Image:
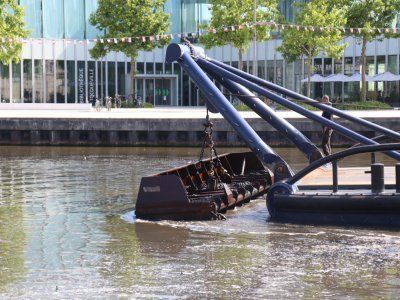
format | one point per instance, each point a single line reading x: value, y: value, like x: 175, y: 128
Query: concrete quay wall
x: 160, y: 127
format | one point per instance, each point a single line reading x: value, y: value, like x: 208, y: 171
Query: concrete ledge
x: 162, y: 126
x: 46, y: 106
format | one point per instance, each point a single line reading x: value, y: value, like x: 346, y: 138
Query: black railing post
x: 377, y: 178
x: 335, y: 176
x: 398, y: 178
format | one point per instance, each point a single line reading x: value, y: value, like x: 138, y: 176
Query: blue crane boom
x: 194, y: 61
x: 182, y: 54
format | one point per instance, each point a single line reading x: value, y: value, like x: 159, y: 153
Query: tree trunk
x: 240, y: 60
x: 363, y: 69
x: 309, y: 70
x: 132, y: 78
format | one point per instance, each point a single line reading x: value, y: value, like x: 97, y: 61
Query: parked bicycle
x: 108, y: 103
x: 136, y: 101
x: 117, y: 101
x: 98, y: 106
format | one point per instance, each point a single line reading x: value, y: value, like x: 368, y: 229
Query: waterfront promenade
x: 87, y: 112
x: 159, y: 126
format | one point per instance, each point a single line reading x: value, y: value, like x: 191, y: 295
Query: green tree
x: 12, y: 29
x: 130, y: 20
x: 317, y: 34
x: 228, y: 13
x: 368, y: 18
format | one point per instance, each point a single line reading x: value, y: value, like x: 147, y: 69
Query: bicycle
x: 117, y: 101
x: 108, y: 103
x: 136, y: 102
x: 98, y: 106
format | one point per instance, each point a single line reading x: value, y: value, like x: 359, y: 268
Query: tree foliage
x: 369, y: 15
x: 316, y: 34
x: 12, y: 28
x: 130, y: 18
x: 228, y: 13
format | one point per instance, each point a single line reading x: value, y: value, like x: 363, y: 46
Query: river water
x: 68, y: 231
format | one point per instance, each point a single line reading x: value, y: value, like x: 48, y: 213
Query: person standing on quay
x: 326, y: 131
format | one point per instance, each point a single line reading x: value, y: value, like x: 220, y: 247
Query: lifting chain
x: 189, y: 44
x: 208, y: 142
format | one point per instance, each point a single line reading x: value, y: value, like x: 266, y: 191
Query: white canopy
x: 357, y: 77
x: 315, y: 78
x: 337, y: 78
x: 386, y: 76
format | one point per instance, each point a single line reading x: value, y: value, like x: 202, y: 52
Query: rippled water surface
x: 68, y: 231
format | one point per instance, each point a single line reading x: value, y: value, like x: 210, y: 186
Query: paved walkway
x: 346, y: 176
x: 161, y: 112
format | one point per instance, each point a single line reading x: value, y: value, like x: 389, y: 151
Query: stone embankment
x: 165, y: 126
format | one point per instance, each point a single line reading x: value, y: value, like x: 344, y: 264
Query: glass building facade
x: 56, y: 66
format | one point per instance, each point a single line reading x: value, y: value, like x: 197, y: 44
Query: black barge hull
x: 204, y: 190
x: 372, y: 210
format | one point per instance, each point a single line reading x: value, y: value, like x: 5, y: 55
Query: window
x: 380, y: 64
x: 348, y: 66
x: 16, y: 82
x: 318, y: 65
x: 101, y: 79
x: 245, y: 66
x: 279, y: 72
x: 70, y: 81
x: 111, y: 79
x: 159, y: 68
x: 338, y: 66
x: 121, y: 79
x: 33, y: 16
x: 139, y: 89
x: 5, y: 82
x: 149, y: 85
x: 298, y: 76
x: 60, y: 81
x: 140, y: 68
x: 289, y: 76
x: 250, y: 66
x: 27, y: 95
x: 370, y: 70
x: 357, y: 65
x: 177, y: 71
x: 168, y: 68
x: 193, y: 13
x: 38, y: 84
x: 74, y: 19
x: 261, y: 69
x: 328, y: 66
x: 52, y: 19
x: 173, y: 8
x: 185, y: 90
x: 270, y: 70
x: 392, y: 62
x: 49, y: 81
x: 90, y: 7
x: 149, y: 68
x: 370, y: 66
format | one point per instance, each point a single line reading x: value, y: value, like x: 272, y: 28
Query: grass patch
x: 356, y: 105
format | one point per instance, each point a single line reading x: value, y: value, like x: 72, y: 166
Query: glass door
x: 149, y: 97
x: 162, y: 91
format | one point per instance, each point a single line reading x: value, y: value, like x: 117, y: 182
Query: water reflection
x: 67, y: 231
